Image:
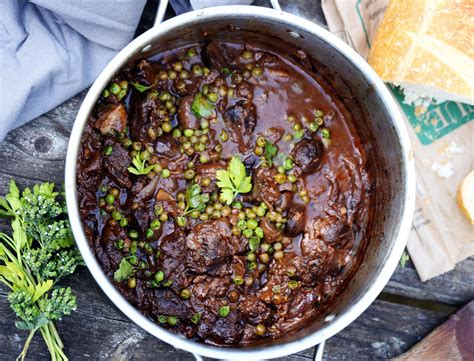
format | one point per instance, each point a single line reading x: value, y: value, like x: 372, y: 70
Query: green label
x: 436, y: 120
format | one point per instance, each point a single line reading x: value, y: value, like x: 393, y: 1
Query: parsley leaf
x: 141, y: 88
x: 195, y: 200
x: 124, y: 271
x: 234, y: 180
x: 139, y: 166
x: 404, y: 259
x: 270, y: 152
x: 202, y: 107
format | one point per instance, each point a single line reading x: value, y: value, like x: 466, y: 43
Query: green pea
x: 183, y: 74
x: 292, y: 178
x: 281, y: 169
x: 149, y: 233
x: 116, y: 215
x: 159, y: 276
x: 258, y: 151
x: 163, y: 217
x: 196, y: 70
x: 325, y: 133
x: 105, y: 93
x: 224, y: 311
x: 188, y: 132
x: 241, y: 224
x: 251, y: 257
x: 167, y: 127
x: 178, y: 66
x: 172, y: 320
x: 204, y: 124
x: 181, y: 221
x: 162, y: 319
x: 288, y: 137
x: 195, y: 214
x: 212, y: 97
x: 319, y: 113
x: 165, y: 173
x: 119, y: 244
x: 114, y: 88
x: 206, y: 181
x: 132, y: 282
x: 189, y: 174
x: 203, y: 158
x: 191, y: 52
x: 200, y: 147
x: 296, y: 127
x: 259, y: 232
x: 238, y: 280
x: 288, y: 165
x: 185, y: 294
x: 247, y: 233
x: 133, y: 234
x: 237, y: 205
x: 293, y: 284
x: 252, y: 224
x: 109, y: 199
x: 172, y: 74
x: 280, y: 178
x: 122, y: 93
x: 148, y: 248
x: 108, y: 150
x: 176, y: 133
x: 257, y: 71
x: 247, y: 55
x: 261, y: 211
x: 313, y: 126
x: 196, y: 318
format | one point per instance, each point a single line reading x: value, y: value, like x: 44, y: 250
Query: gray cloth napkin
x: 52, y: 49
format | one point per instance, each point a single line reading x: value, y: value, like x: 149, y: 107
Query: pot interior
x: 372, y: 120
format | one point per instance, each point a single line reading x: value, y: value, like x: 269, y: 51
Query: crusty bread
x: 466, y: 196
x: 427, y: 48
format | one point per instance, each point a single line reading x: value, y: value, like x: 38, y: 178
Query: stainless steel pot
x: 378, y: 121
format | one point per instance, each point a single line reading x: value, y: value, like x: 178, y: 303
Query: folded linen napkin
x: 52, y: 49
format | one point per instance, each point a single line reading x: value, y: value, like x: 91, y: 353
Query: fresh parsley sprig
x: 233, y: 181
x: 139, y: 167
x: 37, y: 254
x: 195, y: 199
x: 270, y: 152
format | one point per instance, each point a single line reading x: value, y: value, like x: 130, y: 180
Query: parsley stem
x: 27, y: 344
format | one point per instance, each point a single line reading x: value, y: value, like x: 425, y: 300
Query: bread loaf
x: 427, y: 48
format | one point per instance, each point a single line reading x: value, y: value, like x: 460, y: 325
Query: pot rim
x: 256, y: 352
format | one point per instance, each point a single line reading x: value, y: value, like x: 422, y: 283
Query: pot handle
x: 160, y: 15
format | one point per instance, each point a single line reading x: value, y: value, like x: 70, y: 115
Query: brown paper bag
x: 442, y: 137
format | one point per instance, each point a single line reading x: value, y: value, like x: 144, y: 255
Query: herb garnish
x: 202, y: 107
x: 139, y: 164
x: 270, y: 152
x: 124, y: 271
x: 39, y: 252
x: 195, y: 200
x: 142, y: 88
x: 233, y: 181
x: 404, y: 259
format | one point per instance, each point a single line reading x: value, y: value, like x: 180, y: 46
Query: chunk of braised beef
x: 205, y: 287
x: 253, y: 310
x: 143, y: 73
x: 90, y: 161
x: 173, y: 259
x: 186, y: 117
x: 209, y: 170
x: 167, y: 149
x: 209, y: 245
x: 307, y: 153
x: 303, y: 302
x: 164, y: 302
x: 270, y: 233
x: 144, y: 113
x: 116, y: 164
x: 223, y: 330
x: 284, y: 201
x: 295, y: 221
x: 264, y: 187
x: 111, y: 118
x: 109, y: 256
x: 216, y: 55
x: 241, y: 119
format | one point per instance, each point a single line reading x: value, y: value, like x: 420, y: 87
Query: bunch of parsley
x: 37, y: 254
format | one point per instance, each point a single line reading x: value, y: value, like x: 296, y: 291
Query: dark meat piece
x: 209, y: 245
x: 265, y: 188
x: 245, y: 90
x: 116, y: 164
x: 254, y: 310
x: 185, y: 116
x: 296, y: 221
x: 331, y: 230
x: 209, y: 170
x: 109, y: 257
x: 167, y: 149
x: 270, y: 232
x: 303, y: 302
x: 284, y: 201
x: 216, y: 55
x: 111, y: 118
x: 224, y: 330
x: 306, y: 154
x: 173, y: 259
x: 274, y: 134
x: 144, y: 114
x: 143, y: 73
x: 241, y: 120
x: 205, y: 287
x: 165, y: 302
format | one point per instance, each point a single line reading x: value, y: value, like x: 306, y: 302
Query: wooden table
x: 405, y: 312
